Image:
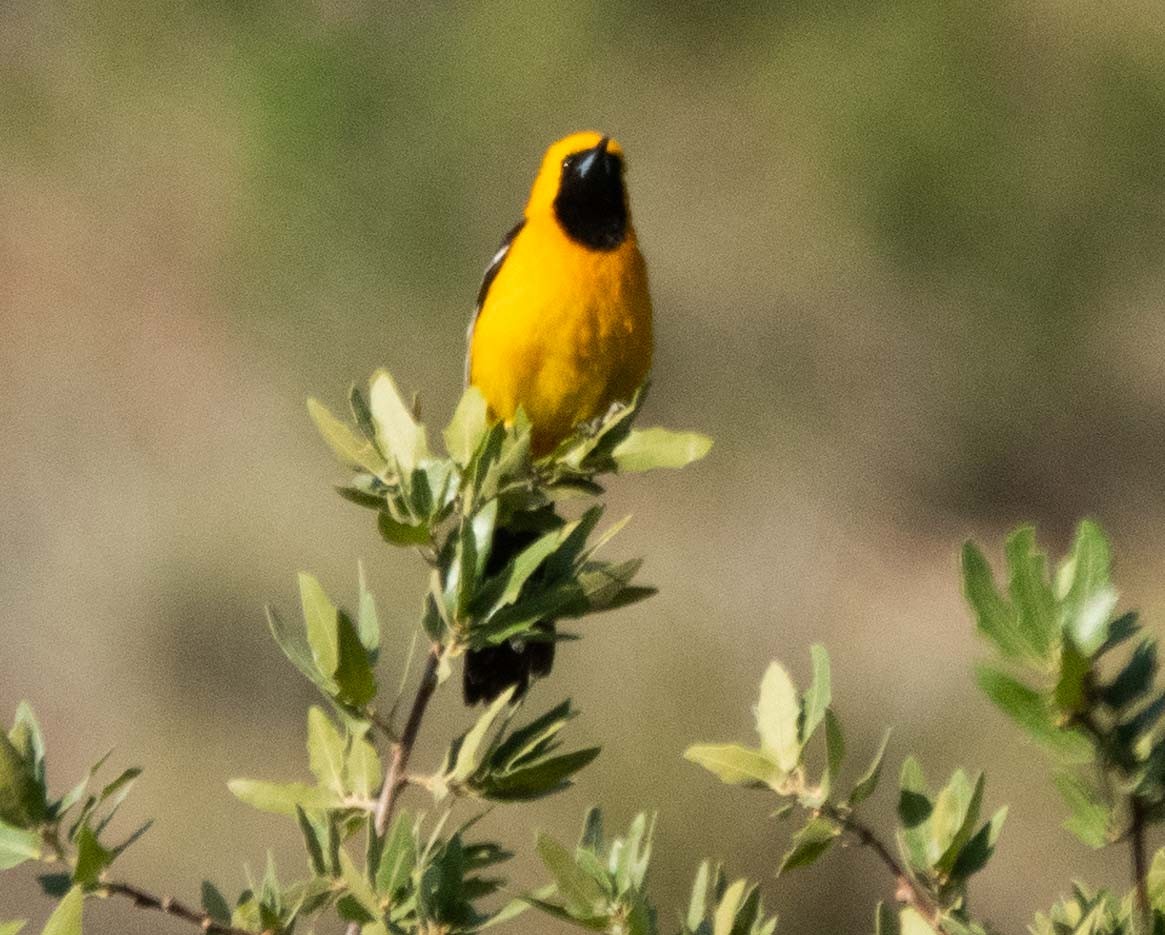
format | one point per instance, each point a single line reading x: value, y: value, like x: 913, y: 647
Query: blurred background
x: 906, y: 261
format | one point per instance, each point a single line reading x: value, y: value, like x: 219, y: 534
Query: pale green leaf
x: 17, y: 845
x: 819, y: 695
x: 777, y: 714
x: 322, y: 621
x: 736, y: 765
x: 725, y: 917
x: 809, y: 844
x: 398, y: 433
x: 468, y: 425
x: 282, y: 798
x: 868, y: 784
x: 325, y: 750
x: 346, y: 444
x: 66, y: 918
x: 648, y: 449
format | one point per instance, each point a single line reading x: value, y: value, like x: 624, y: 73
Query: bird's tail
x: 493, y: 669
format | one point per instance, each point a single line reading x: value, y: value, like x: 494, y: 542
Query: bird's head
x: 580, y: 184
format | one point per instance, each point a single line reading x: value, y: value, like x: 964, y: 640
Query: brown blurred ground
x: 906, y: 260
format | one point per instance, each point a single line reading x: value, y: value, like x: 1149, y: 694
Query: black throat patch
x: 590, y: 204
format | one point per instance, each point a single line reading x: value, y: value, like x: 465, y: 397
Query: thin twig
x: 403, y: 748
x: 908, y: 891
x: 172, y: 907
x: 396, y: 779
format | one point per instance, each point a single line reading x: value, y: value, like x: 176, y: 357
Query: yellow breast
x: 564, y: 331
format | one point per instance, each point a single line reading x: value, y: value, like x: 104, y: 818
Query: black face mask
x: 590, y: 204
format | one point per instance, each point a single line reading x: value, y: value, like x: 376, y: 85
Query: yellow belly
x: 565, y: 331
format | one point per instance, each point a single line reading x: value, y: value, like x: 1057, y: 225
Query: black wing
x: 491, y: 273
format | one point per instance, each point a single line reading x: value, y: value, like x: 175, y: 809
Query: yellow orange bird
x: 563, y: 320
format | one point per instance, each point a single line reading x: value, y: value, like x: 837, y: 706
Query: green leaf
x: 396, y: 533
x: 358, y: 887
x: 697, y: 904
x: 956, y: 814
x: 581, y: 892
x: 777, y: 714
x: 468, y: 425
x: 736, y: 765
x: 296, y: 649
x: 809, y: 844
x: 1029, y: 709
x: 73, y: 796
x: 531, y: 740
x: 834, y: 749
x: 1089, y: 813
x: 1031, y: 595
x: 914, y: 812
x: 886, y: 920
x: 282, y: 798
x: 1088, y: 597
x: 345, y: 444
x: 353, y: 673
x: 648, y: 449
x: 311, y: 840
x: 470, y: 752
x: 398, y: 856
x: 92, y: 858
x: 325, y: 750
x: 27, y: 738
x: 362, y: 769
x: 979, y: 849
x: 12, y: 928
x: 868, y: 784
x: 398, y: 433
x: 214, y: 904
x: 994, y: 616
x: 538, y: 779
x: 17, y: 846
x: 368, y: 623
x: 66, y: 918
x: 1074, y: 669
x: 21, y: 798
x: 322, y: 621
x: 819, y: 695
x: 724, y: 919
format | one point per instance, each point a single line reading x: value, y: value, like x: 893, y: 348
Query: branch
x: 396, y: 780
x: 172, y: 907
x: 403, y: 748
x: 908, y: 892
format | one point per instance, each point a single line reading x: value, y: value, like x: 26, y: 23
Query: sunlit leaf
x: 66, y: 918
x: 649, y: 449
x: 777, y: 715
x: 736, y: 765
x: 809, y: 844
x: 17, y: 845
x: 282, y: 798
x: 399, y: 434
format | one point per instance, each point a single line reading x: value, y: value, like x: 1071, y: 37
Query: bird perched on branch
x: 562, y: 328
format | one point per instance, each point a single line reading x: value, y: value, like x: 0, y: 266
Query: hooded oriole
x: 562, y: 328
